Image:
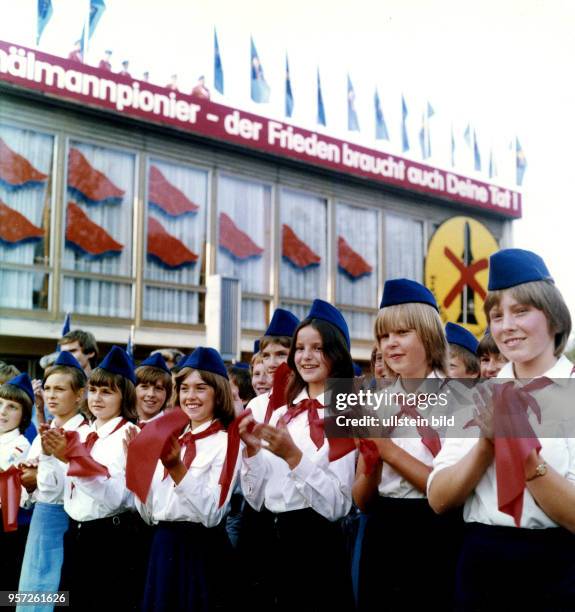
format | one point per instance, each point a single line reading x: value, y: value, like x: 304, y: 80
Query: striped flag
x: 352, y: 121
x: 404, y: 136
x: 260, y: 90
x: 520, y: 162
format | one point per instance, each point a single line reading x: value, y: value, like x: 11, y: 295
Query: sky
x: 505, y: 66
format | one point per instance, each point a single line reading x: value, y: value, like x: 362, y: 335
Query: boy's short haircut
x: 7, y: 372
x: 85, y: 339
x: 487, y: 345
x: 15, y: 394
x: 284, y: 341
x: 470, y: 361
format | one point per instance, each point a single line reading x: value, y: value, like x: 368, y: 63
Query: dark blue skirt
x: 310, y: 563
x: 516, y: 569
x: 406, y: 556
x: 189, y: 569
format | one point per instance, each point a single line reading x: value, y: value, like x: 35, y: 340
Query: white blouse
x: 314, y: 483
x: 196, y: 498
x: 559, y: 453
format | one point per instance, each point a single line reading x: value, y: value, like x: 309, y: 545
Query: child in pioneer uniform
x: 286, y: 469
x: 519, y: 547
x: 397, y: 517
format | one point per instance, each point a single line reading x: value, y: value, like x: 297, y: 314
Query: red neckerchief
x: 278, y: 395
x: 10, y: 493
x: 188, y: 441
x: 429, y: 437
x: 145, y: 451
x: 514, y: 440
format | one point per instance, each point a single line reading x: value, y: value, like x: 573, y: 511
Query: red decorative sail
x: 88, y: 184
x: 15, y: 228
x: 168, y: 198
x: 350, y: 262
x: 237, y: 243
x: 86, y: 237
x: 166, y: 249
x: 295, y: 251
x: 16, y: 171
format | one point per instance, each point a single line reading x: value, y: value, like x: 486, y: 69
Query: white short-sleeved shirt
x: 314, y: 483
x: 196, y: 498
x: 559, y: 453
x: 407, y: 437
x: 14, y: 448
x: 87, y: 499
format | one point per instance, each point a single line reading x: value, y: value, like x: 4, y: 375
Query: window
x: 244, y: 243
x: 175, y: 237
x: 357, y: 266
x: 303, y: 267
x: 26, y: 159
x: 98, y: 231
x: 403, y: 248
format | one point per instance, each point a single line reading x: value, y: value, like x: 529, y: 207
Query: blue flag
x: 352, y: 121
x: 260, y: 90
x: 66, y: 325
x: 430, y: 113
x: 289, y: 95
x: 423, y: 138
x: 65, y: 328
x: 320, y: 107
x: 380, y: 126
x: 520, y: 162
x: 492, y: 171
x: 476, y: 153
x: 44, y: 14
x: 130, y: 345
x: 218, y: 70
x: 467, y: 135
x: 452, y: 147
x: 97, y: 7
x: 404, y: 137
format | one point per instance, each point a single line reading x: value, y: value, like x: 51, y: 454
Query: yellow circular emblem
x: 457, y: 270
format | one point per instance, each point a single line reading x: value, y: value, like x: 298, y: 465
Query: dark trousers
x: 506, y: 568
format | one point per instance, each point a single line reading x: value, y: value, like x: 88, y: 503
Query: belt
x: 123, y: 519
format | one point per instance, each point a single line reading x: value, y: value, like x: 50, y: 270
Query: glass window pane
x: 403, y: 248
x: 171, y: 305
x: 23, y: 289
x: 299, y: 310
x: 357, y: 256
x: 98, y: 298
x: 244, y: 213
x: 26, y: 160
x: 360, y: 324
x: 253, y: 314
x: 303, y: 268
x: 99, y: 210
x: 176, y: 223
